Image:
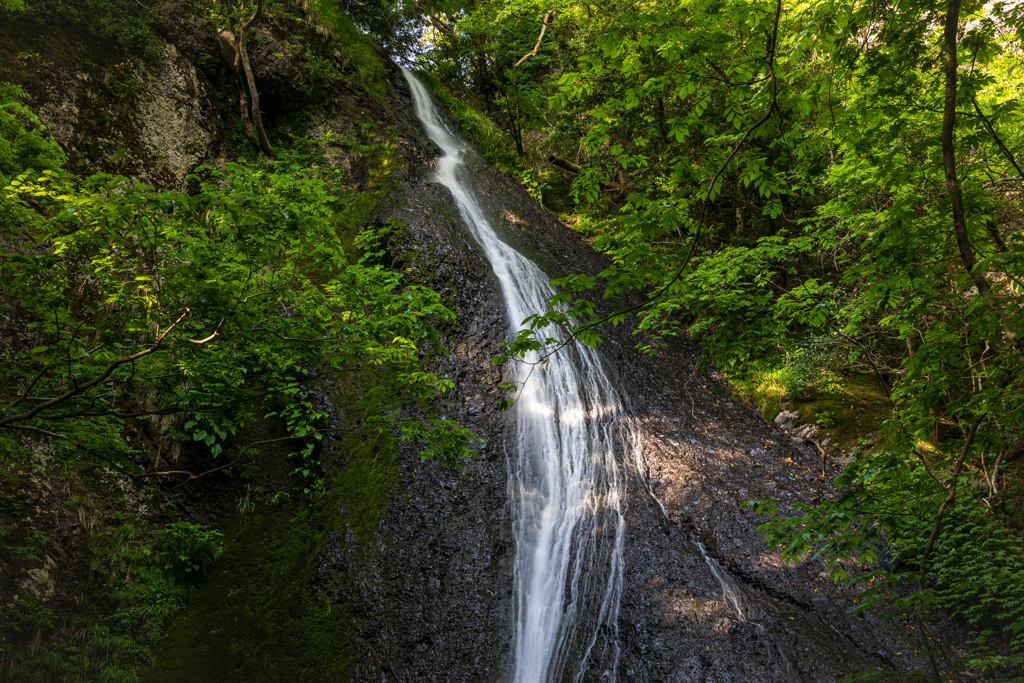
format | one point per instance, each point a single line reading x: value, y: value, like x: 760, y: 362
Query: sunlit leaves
x: 239, y: 297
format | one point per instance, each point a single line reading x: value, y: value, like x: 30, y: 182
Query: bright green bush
x: 216, y: 305
x: 24, y: 145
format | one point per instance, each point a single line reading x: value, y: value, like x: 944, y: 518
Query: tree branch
x: 920, y: 456
x: 441, y: 26
x: 28, y: 389
x: 533, y: 53
x: 81, y: 389
x: 37, y: 430
x: 517, y: 125
x: 211, y: 337
x: 999, y: 141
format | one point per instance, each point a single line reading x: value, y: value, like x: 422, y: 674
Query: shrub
x: 188, y: 550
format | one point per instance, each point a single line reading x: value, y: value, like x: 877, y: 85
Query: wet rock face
x: 435, y: 591
x: 433, y: 594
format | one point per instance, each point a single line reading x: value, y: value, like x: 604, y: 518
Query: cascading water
x: 565, y: 483
x: 735, y: 596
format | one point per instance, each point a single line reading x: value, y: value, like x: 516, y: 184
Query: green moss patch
x: 258, y: 616
x: 849, y: 408
x: 254, y: 619
x: 853, y: 410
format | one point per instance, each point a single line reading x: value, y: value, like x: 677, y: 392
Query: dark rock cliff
x: 434, y: 592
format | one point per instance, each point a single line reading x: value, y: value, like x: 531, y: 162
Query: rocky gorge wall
x: 425, y: 592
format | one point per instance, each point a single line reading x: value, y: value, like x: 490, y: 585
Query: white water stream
x: 566, y: 487
x: 735, y: 595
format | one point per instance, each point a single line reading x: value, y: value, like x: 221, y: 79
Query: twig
x: 1006, y: 152
x: 38, y: 430
x: 79, y: 389
x: 949, y: 497
x: 211, y: 337
x: 28, y: 389
x: 929, y: 469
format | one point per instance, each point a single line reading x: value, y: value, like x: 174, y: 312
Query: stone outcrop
x: 789, y: 423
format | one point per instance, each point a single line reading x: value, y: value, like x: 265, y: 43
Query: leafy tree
x: 223, y: 306
x: 22, y: 141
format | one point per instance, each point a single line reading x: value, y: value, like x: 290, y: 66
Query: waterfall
x: 565, y: 484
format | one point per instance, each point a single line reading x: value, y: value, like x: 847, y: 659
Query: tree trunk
x: 956, y: 200
x: 243, y: 101
x: 515, y: 80
x: 257, y: 119
x: 252, y: 122
x: 564, y: 164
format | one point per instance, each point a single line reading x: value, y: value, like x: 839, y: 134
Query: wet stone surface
x: 435, y: 591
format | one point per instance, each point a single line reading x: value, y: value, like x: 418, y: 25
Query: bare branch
x: 37, y: 430
x: 999, y: 141
x: 28, y: 389
x: 543, y: 27
x: 211, y: 337
x: 928, y: 469
x: 950, y: 497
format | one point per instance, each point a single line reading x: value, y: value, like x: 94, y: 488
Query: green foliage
x: 137, y: 589
x: 218, y: 305
x: 188, y: 550
x: 321, y: 70
x: 123, y: 25
x: 28, y: 616
x: 533, y: 183
x: 23, y: 144
x: 195, y: 315
x: 356, y: 47
x: 31, y: 552
x: 440, y: 439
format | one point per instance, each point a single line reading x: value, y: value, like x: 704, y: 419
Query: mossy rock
x: 847, y: 415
